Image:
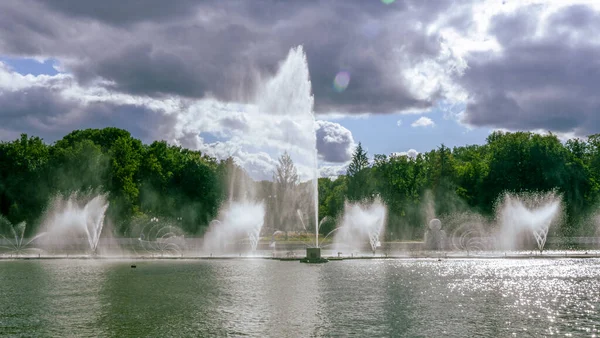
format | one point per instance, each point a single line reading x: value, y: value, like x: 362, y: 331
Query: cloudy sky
x: 210, y: 75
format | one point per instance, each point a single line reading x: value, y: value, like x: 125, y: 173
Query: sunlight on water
x: 260, y: 298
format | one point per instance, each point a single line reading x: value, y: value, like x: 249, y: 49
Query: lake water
x: 264, y: 298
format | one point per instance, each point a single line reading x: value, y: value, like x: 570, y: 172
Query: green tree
x: 23, y: 178
x: 286, y: 183
x: 78, y: 166
x: 359, y: 186
x: 331, y: 202
x: 125, y: 154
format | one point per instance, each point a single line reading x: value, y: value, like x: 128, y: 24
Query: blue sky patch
x: 381, y: 134
x: 26, y: 66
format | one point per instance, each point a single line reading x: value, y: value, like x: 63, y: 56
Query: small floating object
x: 133, y: 266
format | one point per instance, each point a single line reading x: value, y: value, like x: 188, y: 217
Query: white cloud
x: 432, y: 68
x: 334, y: 142
x: 254, y: 134
x: 423, y: 122
x: 332, y: 116
x: 332, y: 171
x: 411, y: 153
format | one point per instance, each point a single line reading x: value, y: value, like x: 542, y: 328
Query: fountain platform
x: 313, y: 255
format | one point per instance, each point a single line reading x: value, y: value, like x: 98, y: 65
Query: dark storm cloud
x: 214, y: 48
x: 545, y: 83
x: 127, y: 12
x: 143, y: 70
x: 20, y: 31
x: 33, y: 111
x: 143, y: 123
x: 578, y: 17
x: 43, y: 112
x: 222, y: 49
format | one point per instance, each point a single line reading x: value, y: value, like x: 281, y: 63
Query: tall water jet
x: 240, y: 221
x: 283, y: 113
x: 428, y: 205
x: 527, y: 215
x: 288, y: 102
x: 362, y: 223
x: 69, y: 219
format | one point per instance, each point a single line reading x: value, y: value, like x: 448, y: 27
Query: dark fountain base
x: 313, y: 255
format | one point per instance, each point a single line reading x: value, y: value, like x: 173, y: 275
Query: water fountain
x: 287, y: 99
x: 362, y: 223
x: 313, y: 250
x: 15, y: 242
x: 240, y: 221
x: 468, y: 232
x: 435, y: 237
x: 283, y: 111
x: 77, y: 217
x: 314, y: 242
x: 528, y: 213
x: 162, y: 238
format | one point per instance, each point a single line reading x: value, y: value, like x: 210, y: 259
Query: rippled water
x: 263, y: 298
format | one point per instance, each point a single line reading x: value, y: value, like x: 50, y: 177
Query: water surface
x: 263, y: 298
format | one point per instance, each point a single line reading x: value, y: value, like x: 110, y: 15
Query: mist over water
x: 526, y: 218
x: 288, y: 101
x: 240, y: 223
x: 469, y: 232
x: 14, y: 240
x: 284, y: 111
x: 284, y: 108
x: 363, y: 224
x: 435, y: 236
x: 76, y: 220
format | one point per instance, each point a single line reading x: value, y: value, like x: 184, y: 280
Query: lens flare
x: 341, y: 81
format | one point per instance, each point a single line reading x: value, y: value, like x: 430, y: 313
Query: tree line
x: 168, y: 181
x: 471, y: 179
x: 141, y: 180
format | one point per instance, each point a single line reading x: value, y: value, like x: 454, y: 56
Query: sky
x: 213, y: 75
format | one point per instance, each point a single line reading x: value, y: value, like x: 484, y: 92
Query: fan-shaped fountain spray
x: 162, y: 238
x: 240, y: 220
x: 532, y: 213
x: 361, y: 222
x: 74, y: 217
x: 15, y: 242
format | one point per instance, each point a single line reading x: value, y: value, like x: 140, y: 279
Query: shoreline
x: 330, y: 258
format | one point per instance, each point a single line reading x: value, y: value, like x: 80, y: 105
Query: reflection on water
x: 263, y: 298
x: 72, y: 295
x: 23, y: 299
x: 160, y: 298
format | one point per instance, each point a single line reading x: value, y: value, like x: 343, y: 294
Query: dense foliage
x: 155, y: 179
x: 168, y: 181
x: 471, y: 178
